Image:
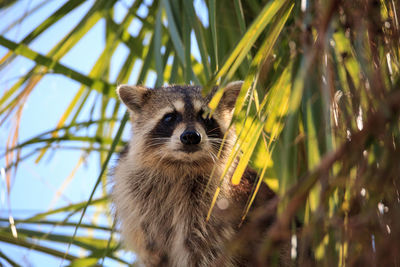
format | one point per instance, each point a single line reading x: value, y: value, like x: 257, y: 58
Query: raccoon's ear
x: 132, y: 96
x: 231, y: 93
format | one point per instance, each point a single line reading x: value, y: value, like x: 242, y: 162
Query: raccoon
x: 165, y: 182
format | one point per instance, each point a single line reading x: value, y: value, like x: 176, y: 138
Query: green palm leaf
x: 317, y: 117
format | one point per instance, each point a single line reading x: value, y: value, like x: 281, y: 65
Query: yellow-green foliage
x: 317, y: 116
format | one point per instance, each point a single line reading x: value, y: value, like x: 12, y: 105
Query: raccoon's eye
x: 205, y: 117
x: 169, y: 118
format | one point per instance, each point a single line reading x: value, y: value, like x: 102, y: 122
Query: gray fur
x: 161, y: 196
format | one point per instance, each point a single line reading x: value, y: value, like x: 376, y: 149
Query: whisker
x: 214, y: 129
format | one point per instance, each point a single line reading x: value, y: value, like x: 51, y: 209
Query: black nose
x: 190, y: 138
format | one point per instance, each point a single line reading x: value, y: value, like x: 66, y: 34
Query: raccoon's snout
x: 190, y: 137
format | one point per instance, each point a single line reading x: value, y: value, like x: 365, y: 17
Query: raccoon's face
x: 170, y: 123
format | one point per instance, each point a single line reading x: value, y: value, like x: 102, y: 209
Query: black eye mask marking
x: 164, y: 129
x: 169, y: 118
x: 210, y: 125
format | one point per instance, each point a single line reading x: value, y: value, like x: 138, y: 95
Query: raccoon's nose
x: 190, y: 138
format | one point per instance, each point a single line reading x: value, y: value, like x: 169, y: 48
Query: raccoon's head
x: 169, y: 123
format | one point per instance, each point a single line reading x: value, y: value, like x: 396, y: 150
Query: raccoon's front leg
x: 145, y: 247
x: 152, y: 256
x: 155, y: 258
